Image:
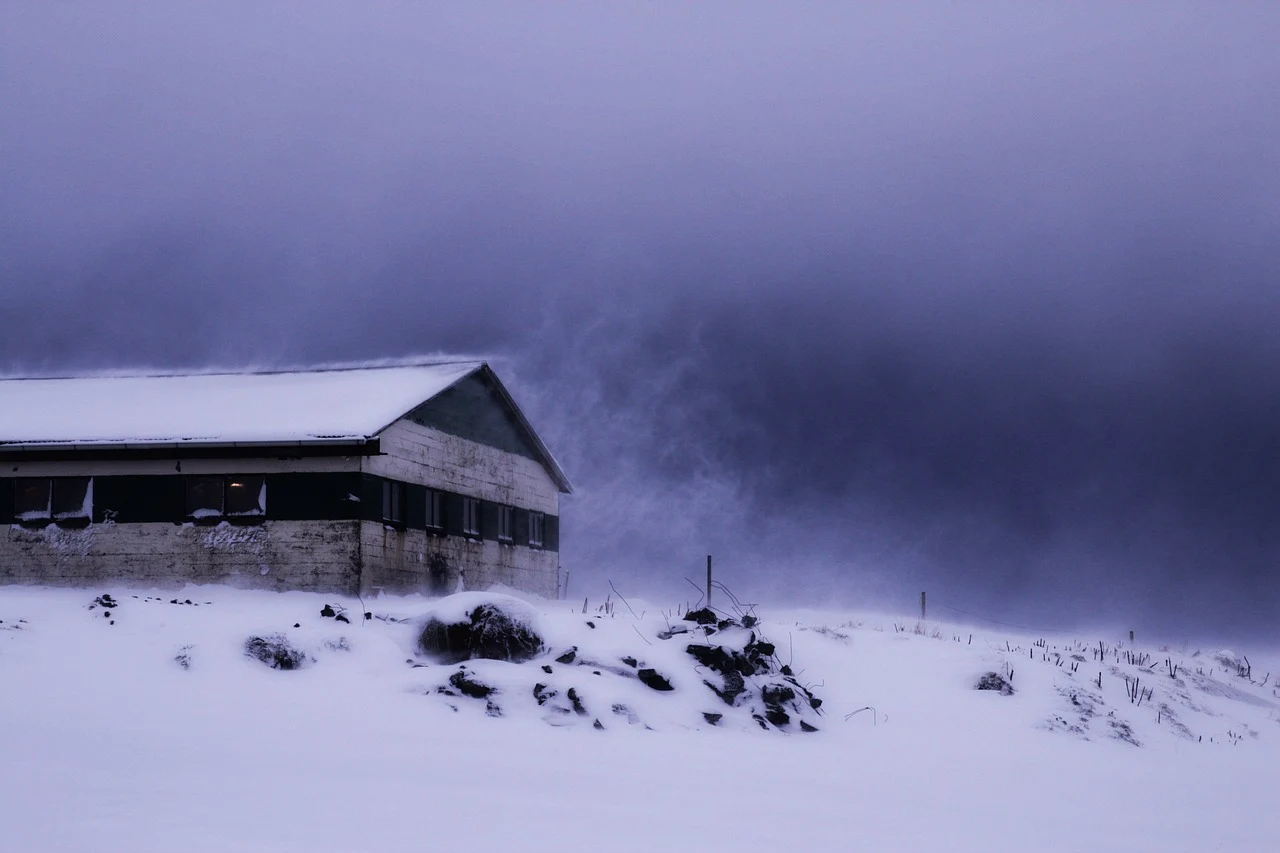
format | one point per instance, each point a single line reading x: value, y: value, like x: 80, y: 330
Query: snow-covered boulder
x: 473, y: 625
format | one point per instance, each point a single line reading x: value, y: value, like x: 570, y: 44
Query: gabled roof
x: 347, y: 405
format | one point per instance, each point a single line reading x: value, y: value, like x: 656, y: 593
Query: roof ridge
x: 323, y: 367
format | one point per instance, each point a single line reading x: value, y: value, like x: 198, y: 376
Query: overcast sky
x: 978, y: 298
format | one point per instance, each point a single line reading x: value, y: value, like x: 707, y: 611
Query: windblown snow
x: 220, y: 719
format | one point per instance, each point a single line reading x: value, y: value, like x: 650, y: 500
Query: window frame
x: 392, y: 509
x: 470, y: 525
x: 212, y: 515
x: 51, y: 514
x: 537, y: 529
x: 434, y: 512
x: 506, y: 524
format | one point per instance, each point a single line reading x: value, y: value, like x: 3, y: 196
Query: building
x: 419, y: 477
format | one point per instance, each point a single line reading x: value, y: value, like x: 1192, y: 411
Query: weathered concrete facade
x: 326, y: 520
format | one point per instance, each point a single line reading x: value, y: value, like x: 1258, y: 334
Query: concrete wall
x: 428, y: 457
x: 278, y: 555
x: 397, y: 560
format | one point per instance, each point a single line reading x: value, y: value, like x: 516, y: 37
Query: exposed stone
x: 705, y: 616
x: 568, y: 656
x: 467, y: 685
x: 490, y: 633
x: 274, y: 650
x: 995, y: 681
x: 651, y: 678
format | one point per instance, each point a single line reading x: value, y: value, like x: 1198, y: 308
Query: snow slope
x: 108, y: 743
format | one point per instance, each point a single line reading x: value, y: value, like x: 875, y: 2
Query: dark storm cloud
x: 861, y: 300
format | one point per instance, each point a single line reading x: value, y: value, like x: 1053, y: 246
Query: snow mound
x: 697, y: 672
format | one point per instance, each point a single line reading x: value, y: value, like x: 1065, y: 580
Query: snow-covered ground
x: 149, y: 729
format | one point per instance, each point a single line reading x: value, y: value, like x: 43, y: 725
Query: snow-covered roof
x: 305, y: 406
x: 334, y: 405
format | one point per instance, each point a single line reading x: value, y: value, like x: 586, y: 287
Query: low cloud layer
x: 862, y: 301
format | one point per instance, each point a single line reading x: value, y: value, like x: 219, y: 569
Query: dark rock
x: 576, y: 702
x: 995, y: 681
x: 328, y: 611
x: 467, y: 685
x: 705, y: 616
x: 725, y: 624
x: 777, y: 716
x: 490, y: 633
x: 591, y: 625
x: 598, y: 725
x: 342, y: 618
x: 750, y: 621
x: 274, y: 650
x: 764, y: 649
x: 776, y: 694
x: 568, y: 656
x: 368, y: 614
x: 105, y: 600
x: 297, y: 624
x: 183, y: 657
x: 713, y: 719
x: 814, y: 702
x: 630, y: 661
x: 805, y: 727
x: 491, y: 709
x: 546, y: 668
x: 734, y: 686
x: 542, y: 694
x: 761, y: 720
x: 785, y: 670
x: 651, y: 678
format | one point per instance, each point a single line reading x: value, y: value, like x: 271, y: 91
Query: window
x: 53, y: 499
x: 536, y: 523
x: 246, y: 495
x: 435, y: 510
x: 31, y: 499
x: 392, y: 501
x: 506, y: 527
x: 471, y: 516
x: 218, y: 496
x: 72, y: 498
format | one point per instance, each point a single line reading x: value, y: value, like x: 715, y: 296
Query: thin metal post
x: 922, y: 606
x: 708, y: 580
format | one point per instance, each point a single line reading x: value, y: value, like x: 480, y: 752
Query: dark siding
x: 314, y: 496
x: 551, y: 533
x: 415, y: 506
x: 452, y: 514
x: 134, y: 499
x: 370, y: 497
x: 522, y: 527
x: 304, y: 496
x: 474, y: 410
x: 488, y: 520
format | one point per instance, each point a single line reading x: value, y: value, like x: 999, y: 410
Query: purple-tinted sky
x: 978, y: 298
